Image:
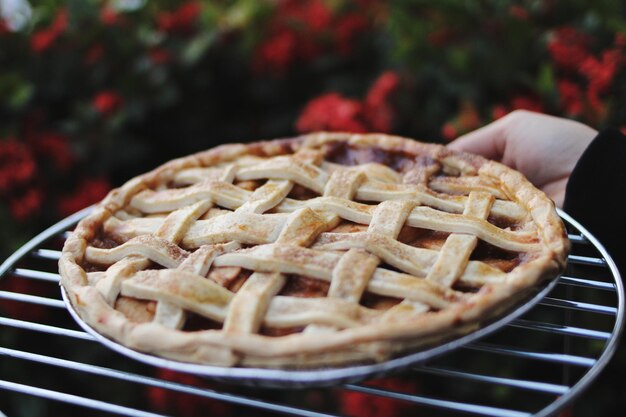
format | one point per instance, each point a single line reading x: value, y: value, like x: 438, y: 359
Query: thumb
x: 488, y: 141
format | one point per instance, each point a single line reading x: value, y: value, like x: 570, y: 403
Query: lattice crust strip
x: 234, y: 235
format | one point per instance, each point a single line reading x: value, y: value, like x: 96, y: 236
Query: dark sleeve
x: 596, y: 191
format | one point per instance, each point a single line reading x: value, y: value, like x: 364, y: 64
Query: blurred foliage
x: 93, y: 92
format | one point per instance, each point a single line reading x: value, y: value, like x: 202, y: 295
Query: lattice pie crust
x: 324, y: 249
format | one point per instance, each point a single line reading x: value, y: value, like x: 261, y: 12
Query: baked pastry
x: 324, y: 249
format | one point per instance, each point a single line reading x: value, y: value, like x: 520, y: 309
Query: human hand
x: 544, y: 148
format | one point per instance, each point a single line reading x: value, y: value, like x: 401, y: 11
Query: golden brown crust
x: 361, y: 335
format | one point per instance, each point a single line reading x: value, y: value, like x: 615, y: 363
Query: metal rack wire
x: 535, y: 366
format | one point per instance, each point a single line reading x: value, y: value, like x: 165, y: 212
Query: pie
x: 321, y: 250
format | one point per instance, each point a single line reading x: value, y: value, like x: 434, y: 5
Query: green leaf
x: 196, y: 49
x: 458, y: 58
x: 21, y: 95
x: 545, y: 80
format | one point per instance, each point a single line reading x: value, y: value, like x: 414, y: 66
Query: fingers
x: 487, y: 141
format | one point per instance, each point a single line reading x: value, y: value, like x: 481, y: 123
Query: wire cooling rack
x: 534, y: 366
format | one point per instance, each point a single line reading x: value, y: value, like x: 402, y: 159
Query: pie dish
x: 321, y: 250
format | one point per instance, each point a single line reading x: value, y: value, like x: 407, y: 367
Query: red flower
x: 469, y: 119
x: 568, y: 48
x: 107, y: 102
x: 159, y: 56
x: 526, y: 103
x: 89, y: 191
x: 296, y: 32
x: 346, y: 29
x: 304, y: 29
x: 180, y: 20
x: 55, y: 147
x: 518, y: 12
x: 4, y: 28
x: 449, y: 132
x: 333, y: 112
x: 94, y: 54
x: 276, y: 53
x: 380, y: 118
x: 44, y: 38
x: 378, y: 110
x: 360, y: 404
x: 176, y: 403
x: 570, y: 95
x: 26, y: 205
x: 308, y: 48
x: 17, y: 165
x: 498, y: 111
x: 600, y: 72
x: 569, y: 51
x: 312, y: 14
x: 595, y: 103
x: 60, y: 21
x: 109, y: 16
x: 384, y: 86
